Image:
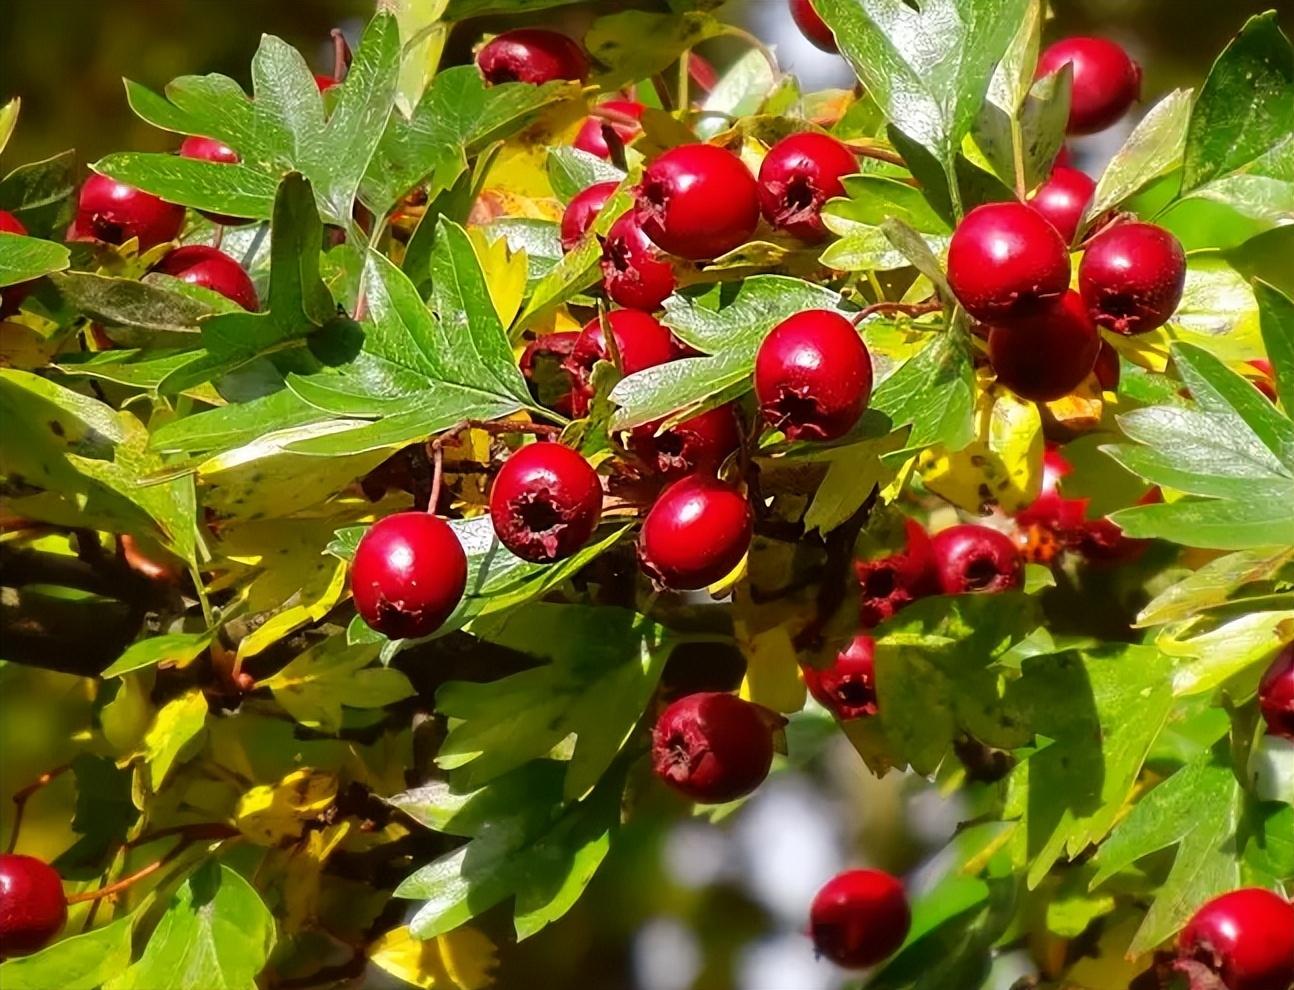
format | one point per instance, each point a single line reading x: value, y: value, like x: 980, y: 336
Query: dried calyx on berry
x: 713, y: 747
x: 700, y: 443
x: 635, y: 272
x: 1132, y: 277
x: 889, y: 583
x: 798, y: 175
x: 846, y: 688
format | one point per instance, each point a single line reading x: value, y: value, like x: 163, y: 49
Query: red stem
x: 908, y: 309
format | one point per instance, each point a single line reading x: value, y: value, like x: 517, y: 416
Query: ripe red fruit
x: 712, y: 746
x: 591, y: 137
x: 323, y: 82
x: 1265, y: 380
x: 1131, y: 277
x: 1005, y: 261
x: 1245, y: 938
x: 1106, y: 81
x: 408, y: 574
x: 635, y: 272
x: 11, y: 296
x: 199, y: 264
x: 1063, y: 199
x: 532, y: 55
x: 859, y: 917
x: 545, y: 502
x: 33, y: 907
x: 1107, y: 368
x: 1048, y: 355
x: 108, y: 210
x: 582, y: 210
x: 1051, y: 510
x: 812, y: 26
x: 698, y: 201
x: 210, y: 150
x: 892, y: 582
x: 696, y: 532
x: 972, y: 559
x: 847, y: 688
x: 642, y: 342
x: 798, y: 175
x: 698, y: 444
x: 1276, y: 694
x: 813, y: 376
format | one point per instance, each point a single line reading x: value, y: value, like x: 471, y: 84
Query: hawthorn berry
x: 700, y: 443
x: 532, y: 55
x: 542, y: 365
x: 1063, y: 199
x: 695, y: 533
x: 641, y: 342
x: 813, y: 376
x: 592, y: 137
x: 582, y: 210
x: 635, y: 272
x: 1107, y: 368
x: 324, y: 83
x: 545, y: 502
x: 1245, y: 938
x: 1048, y: 355
x: 713, y: 747
x: 859, y: 917
x: 972, y: 559
x: 408, y: 575
x: 111, y: 211
x: 1131, y: 277
x: 211, y: 268
x: 1265, y: 380
x: 11, y: 296
x: 210, y: 150
x: 33, y: 907
x: 1006, y: 261
x: 798, y: 175
x: 1052, y: 511
x: 847, y: 688
x: 1106, y: 81
x: 698, y: 201
x: 894, y: 581
x: 1276, y: 694
x: 812, y: 26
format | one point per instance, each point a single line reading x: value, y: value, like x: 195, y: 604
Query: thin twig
x: 880, y: 154
x: 908, y: 309
x: 436, y: 446
x: 22, y: 796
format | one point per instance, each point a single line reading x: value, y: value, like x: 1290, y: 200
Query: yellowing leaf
x: 505, y: 273
x: 522, y: 166
x: 314, y: 687
x: 300, y: 873
x: 174, y: 735
x: 272, y: 813
x: 463, y: 959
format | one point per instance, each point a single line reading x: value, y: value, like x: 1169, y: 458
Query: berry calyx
x: 542, y: 365
x: 545, y: 502
x: 532, y: 55
x: 1131, y: 277
x: 592, y: 138
x: 33, y: 907
x: 1106, y: 81
x: 11, y: 296
x: 894, y: 581
x: 798, y: 175
x: 1048, y: 355
x: 210, y: 150
x: 582, y: 210
x: 1276, y: 694
x: 972, y: 559
x: 641, y: 342
x: 813, y: 376
x: 713, y: 747
x: 698, y: 201
x: 211, y: 268
x: 408, y: 575
x: 1005, y: 262
x: 812, y: 26
x: 859, y: 917
x: 701, y: 443
x: 111, y: 211
x: 697, y: 531
x: 1063, y: 199
x: 847, y: 688
x: 1245, y: 938
x: 635, y: 272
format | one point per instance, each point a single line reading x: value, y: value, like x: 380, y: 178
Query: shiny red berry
x: 635, y: 272
x: 210, y: 150
x: 1051, y: 510
x: 1131, y: 277
x: 812, y: 26
x: 11, y: 296
x: 859, y: 917
x: 408, y: 575
x: 1005, y: 262
x: 1106, y: 81
x: 111, y: 211
x: 847, y: 688
x: 712, y: 746
x: 972, y: 559
x: 33, y: 907
x: 1049, y: 354
x: 696, y: 532
x: 211, y: 268
x: 698, y: 201
x: 582, y: 210
x: 813, y: 376
x: 1245, y: 938
x: 890, y: 583
x: 1063, y: 199
x: 701, y: 443
x: 1276, y: 694
x: 532, y: 55
x: 591, y: 136
x: 641, y: 342
x: 798, y: 175
x: 545, y: 502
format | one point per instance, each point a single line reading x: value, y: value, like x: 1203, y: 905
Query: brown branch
x: 23, y: 795
x: 907, y: 309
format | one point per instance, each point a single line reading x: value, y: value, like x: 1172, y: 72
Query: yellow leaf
x: 273, y: 812
x: 505, y: 273
x: 522, y: 166
x: 463, y: 959
x: 301, y: 874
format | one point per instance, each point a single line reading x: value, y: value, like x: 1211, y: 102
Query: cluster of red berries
x: 33, y: 907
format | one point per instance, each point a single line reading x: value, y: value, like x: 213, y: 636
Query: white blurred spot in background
x: 665, y: 955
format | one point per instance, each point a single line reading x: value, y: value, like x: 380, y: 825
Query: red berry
x: 1050, y: 510
x: 1101, y: 540
x: 1276, y: 694
x: 847, y: 688
x: 1107, y: 369
x: 582, y: 210
x: 971, y: 559
x: 892, y: 582
x: 1063, y: 199
x: 696, y: 532
x: 108, y: 210
x: 1265, y: 381
x: 1106, y: 81
x: 212, y: 269
x: 324, y: 83
x: 1005, y: 261
x: 1048, y: 355
x: 1245, y: 937
x: 542, y: 364
x: 10, y: 224
x: 210, y: 150
x: 813, y: 376
x: 11, y: 296
x: 859, y: 917
x: 812, y: 26
x: 698, y: 201
x: 532, y: 55
x: 798, y: 175
x: 642, y: 342
x: 591, y: 137
x: 33, y: 908
x: 1131, y: 277
x: 712, y: 746
x: 545, y: 502
x: 635, y: 272
x: 701, y: 443
x: 408, y: 575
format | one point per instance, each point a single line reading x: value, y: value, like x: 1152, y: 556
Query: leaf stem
x: 23, y: 795
x: 907, y: 309
x: 879, y: 154
x: 1017, y: 155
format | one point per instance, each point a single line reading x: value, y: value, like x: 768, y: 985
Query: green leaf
x: 637, y: 44
x: 1229, y: 647
x: 853, y: 471
x: 131, y: 303
x: 314, y: 686
x: 1276, y: 317
x: 40, y: 193
x: 174, y: 735
x: 571, y: 171
x: 1026, y: 142
x: 1153, y: 149
x: 1013, y: 77
x: 934, y: 392
x: 1217, y: 310
x: 174, y: 648
x: 1214, y: 584
x: 103, y: 817
x: 81, y: 962
x: 740, y: 92
x: 24, y: 258
x: 231, y: 426
x: 461, y: 10
x: 862, y: 244
x: 8, y: 121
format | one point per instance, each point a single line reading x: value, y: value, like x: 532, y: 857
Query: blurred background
x: 682, y: 903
